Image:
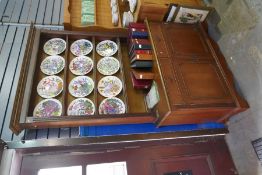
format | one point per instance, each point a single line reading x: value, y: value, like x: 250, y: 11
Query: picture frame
x: 170, y: 12
x: 191, y: 15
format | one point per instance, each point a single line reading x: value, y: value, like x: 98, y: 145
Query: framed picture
x: 170, y: 12
x: 191, y: 15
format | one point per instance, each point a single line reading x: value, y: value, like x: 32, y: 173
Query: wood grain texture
x: 136, y: 111
x: 103, y: 17
x: 198, y: 89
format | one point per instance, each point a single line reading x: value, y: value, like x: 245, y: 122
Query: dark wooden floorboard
x: 3, y: 4
x: 8, y: 11
x: 33, y: 11
x: 10, y: 82
x: 17, y: 11
x: 49, y: 12
x: 25, y: 11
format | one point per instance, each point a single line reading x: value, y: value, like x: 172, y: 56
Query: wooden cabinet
x: 27, y: 97
x: 193, y: 81
x: 196, y: 83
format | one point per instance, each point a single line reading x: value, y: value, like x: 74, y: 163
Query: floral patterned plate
x: 81, y: 106
x: 81, y: 65
x: 47, y: 108
x: 52, y: 65
x: 109, y: 86
x: 50, y: 86
x: 81, y: 86
x: 106, y: 48
x: 108, y: 66
x: 81, y: 47
x: 112, y: 106
x: 55, y: 46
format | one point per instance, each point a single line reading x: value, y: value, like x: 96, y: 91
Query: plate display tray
x: 27, y: 97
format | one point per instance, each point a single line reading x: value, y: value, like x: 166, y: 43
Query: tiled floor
x: 241, y: 44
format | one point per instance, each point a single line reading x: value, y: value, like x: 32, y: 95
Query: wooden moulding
x: 15, y: 118
x: 27, y: 97
x: 103, y: 17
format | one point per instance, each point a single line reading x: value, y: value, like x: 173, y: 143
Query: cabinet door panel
x: 202, y: 83
x: 171, y: 83
x: 186, y: 40
x: 159, y: 41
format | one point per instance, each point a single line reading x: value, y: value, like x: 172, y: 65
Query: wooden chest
x: 198, y: 84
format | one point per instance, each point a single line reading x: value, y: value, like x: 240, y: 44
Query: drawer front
x: 202, y: 83
x: 186, y: 41
x: 171, y: 83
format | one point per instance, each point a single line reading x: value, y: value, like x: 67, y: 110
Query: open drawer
x: 27, y: 97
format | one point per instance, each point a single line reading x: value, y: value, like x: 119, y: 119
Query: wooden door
x: 166, y: 157
x: 188, y: 165
x: 191, y: 73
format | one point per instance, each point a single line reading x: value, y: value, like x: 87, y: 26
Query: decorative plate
x: 81, y: 106
x: 81, y: 86
x: 50, y: 86
x: 112, y: 106
x: 108, y: 65
x: 106, y: 48
x: 55, y: 46
x: 47, y: 108
x: 52, y: 65
x: 81, y: 47
x: 81, y: 65
x: 109, y: 86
